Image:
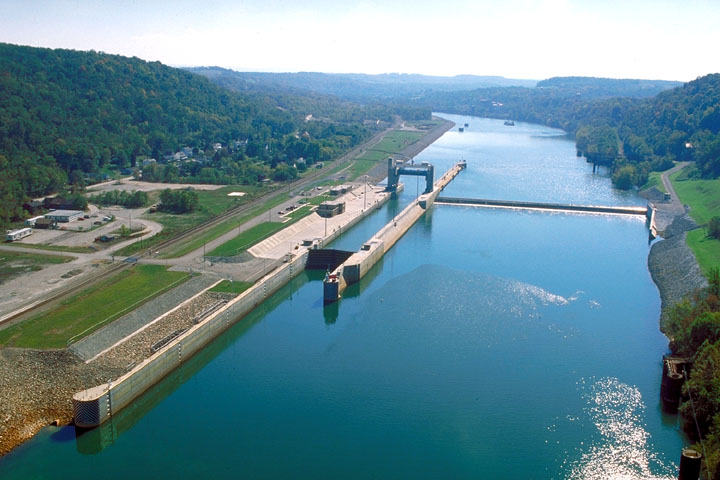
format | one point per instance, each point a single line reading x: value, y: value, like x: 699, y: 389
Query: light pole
x: 365, y: 194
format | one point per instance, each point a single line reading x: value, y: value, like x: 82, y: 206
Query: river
x: 488, y: 343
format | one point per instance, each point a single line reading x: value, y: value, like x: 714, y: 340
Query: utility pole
x: 365, y: 194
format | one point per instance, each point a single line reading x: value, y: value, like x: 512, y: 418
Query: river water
x: 488, y: 343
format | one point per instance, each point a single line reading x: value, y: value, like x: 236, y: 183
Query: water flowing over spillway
x: 486, y: 344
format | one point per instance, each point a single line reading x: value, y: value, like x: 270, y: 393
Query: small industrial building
x: 45, y: 223
x: 64, y: 216
x: 340, y: 190
x: 13, y: 235
x: 330, y: 209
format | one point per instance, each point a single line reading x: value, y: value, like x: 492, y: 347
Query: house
x: 217, y: 146
x: 148, y: 161
x: 57, y: 203
x: 64, y: 216
x: 187, y: 151
x: 33, y: 206
x: 45, y: 223
x: 179, y: 157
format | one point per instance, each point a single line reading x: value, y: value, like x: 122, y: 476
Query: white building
x: 13, y: 235
x: 65, y: 216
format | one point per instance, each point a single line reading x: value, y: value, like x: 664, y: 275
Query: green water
x: 488, y: 343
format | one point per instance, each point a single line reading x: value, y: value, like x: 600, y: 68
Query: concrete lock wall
x: 95, y: 405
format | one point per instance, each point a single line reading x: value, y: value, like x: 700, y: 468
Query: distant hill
x: 640, y: 132
x: 67, y: 115
x: 360, y: 87
x: 592, y: 87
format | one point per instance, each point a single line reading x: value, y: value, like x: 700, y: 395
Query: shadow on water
x: 95, y: 440
x: 63, y: 435
x: 332, y: 310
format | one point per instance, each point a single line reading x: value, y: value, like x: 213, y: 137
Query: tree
x: 714, y: 227
x: 624, y: 178
x: 178, y: 201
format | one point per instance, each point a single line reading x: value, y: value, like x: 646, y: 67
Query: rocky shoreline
x: 36, y: 386
x: 671, y: 263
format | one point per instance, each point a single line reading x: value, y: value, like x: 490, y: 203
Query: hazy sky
x: 658, y: 39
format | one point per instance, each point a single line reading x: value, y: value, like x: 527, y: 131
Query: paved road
x: 675, y: 204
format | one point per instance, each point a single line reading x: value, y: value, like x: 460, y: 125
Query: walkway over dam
x: 480, y: 202
x: 359, y: 263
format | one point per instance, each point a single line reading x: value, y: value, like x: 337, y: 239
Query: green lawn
x: 654, y: 180
x: 319, y: 199
x: 14, y: 264
x: 706, y: 249
x: 231, y: 287
x: 703, y: 197
x: 397, y: 140
x: 92, y: 308
x: 393, y: 143
x: 257, y: 234
x: 211, y: 234
x: 299, y: 212
x: 246, y: 239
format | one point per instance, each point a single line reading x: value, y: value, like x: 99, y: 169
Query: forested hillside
x: 635, y: 135
x: 69, y: 116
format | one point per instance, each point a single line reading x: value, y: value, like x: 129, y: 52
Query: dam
x: 562, y: 207
x: 359, y: 263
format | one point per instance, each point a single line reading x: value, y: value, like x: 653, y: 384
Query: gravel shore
x: 673, y: 266
x: 36, y: 386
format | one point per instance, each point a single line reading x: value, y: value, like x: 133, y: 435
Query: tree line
x: 67, y: 115
x: 632, y: 135
x: 693, y: 326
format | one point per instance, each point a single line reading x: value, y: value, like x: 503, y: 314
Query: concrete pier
x: 355, y: 267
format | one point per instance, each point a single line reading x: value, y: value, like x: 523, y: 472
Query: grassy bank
x: 246, y: 239
x: 392, y: 144
x: 231, y: 287
x: 703, y: 197
x: 211, y: 204
x: 256, y: 234
x: 92, y: 308
x: 220, y: 229
x: 654, y: 180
